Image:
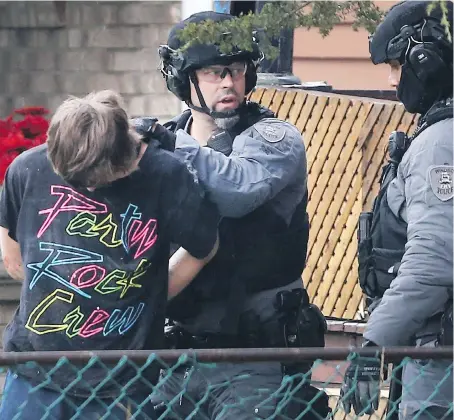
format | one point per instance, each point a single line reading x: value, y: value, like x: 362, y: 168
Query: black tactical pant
x: 221, y: 391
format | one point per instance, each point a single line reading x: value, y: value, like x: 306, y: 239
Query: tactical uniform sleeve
x: 421, y: 287
x: 264, y: 159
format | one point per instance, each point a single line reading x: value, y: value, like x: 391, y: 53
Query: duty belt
x: 178, y: 338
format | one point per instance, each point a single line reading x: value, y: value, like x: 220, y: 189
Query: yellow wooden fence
x: 346, y: 141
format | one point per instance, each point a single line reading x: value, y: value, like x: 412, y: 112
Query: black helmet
x: 179, y: 67
x: 419, y: 43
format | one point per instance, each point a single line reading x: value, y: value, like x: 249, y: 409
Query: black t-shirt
x: 96, y: 263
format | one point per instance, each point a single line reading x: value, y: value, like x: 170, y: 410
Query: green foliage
x: 276, y: 16
x: 443, y: 4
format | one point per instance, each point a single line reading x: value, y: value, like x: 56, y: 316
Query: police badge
x: 272, y: 131
x: 441, y: 182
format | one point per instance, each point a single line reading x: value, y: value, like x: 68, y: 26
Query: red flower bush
x: 16, y: 136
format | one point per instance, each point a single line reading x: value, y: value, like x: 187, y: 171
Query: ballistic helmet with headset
x: 178, y: 67
x: 418, y: 41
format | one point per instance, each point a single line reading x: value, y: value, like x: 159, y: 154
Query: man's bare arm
x: 183, y: 267
x: 11, y: 255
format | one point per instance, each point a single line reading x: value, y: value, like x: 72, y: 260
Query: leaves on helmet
x: 444, y: 15
x: 275, y: 17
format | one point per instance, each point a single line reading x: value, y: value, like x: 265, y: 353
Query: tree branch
x: 276, y: 16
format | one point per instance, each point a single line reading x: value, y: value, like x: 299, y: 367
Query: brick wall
x: 51, y: 49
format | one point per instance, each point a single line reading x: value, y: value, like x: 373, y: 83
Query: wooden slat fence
x: 346, y: 141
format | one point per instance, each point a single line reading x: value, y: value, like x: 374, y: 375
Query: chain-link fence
x: 220, y: 384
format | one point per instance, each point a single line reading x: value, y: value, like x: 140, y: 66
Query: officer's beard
x: 227, y: 122
x: 227, y: 119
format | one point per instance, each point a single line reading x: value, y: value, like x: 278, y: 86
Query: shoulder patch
x: 271, y: 131
x: 441, y: 181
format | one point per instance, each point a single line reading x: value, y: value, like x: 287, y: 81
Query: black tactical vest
x: 259, y: 251
x: 381, y: 235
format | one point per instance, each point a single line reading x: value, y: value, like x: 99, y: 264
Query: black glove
x: 361, y: 385
x: 144, y: 126
x: 150, y: 130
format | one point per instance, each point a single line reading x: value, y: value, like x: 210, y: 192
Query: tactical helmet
x: 178, y: 67
x: 419, y: 43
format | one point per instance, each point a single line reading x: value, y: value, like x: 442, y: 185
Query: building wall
x: 341, y: 59
x: 49, y: 50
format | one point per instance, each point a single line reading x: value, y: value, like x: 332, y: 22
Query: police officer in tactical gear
x: 406, y: 243
x: 253, y: 166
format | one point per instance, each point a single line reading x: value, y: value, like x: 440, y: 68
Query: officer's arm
x: 263, y: 161
x: 421, y: 288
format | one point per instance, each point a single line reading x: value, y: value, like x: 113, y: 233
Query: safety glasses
x: 215, y: 73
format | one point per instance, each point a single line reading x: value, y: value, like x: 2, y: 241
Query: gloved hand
x: 144, y: 126
x: 361, y: 386
x: 150, y: 130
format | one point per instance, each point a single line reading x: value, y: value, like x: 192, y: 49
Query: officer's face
x: 394, y: 73
x: 222, y: 87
